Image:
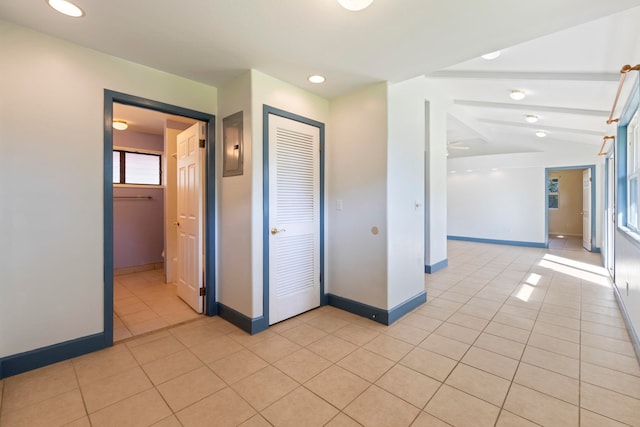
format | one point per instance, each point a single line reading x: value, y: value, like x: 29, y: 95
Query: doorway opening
x: 570, y: 208
x: 142, y: 268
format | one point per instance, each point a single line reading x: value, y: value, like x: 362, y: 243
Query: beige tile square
x: 389, y: 347
x: 407, y: 333
x: 194, y: 333
x: 611, y: 379
x: 58, y: 410
x: 458, y: 333
x: 341, y: 420
x: 100, y: 394
x: 80, y: 422
x: 256, y: 421
x: 610, y: 344
x: 603, y: 319
x: 507, y: 419
x: 515, y: 321
x: 145, y: 408
x: 138, y: 317
x: 500, y: 345
x: 35, y: 386
x: 609, y: 403
x: 337, y: 386
x: 429, y: 363
x: 548, y: 382
x: 434, y: 312
x: 467, y: 321
x: 103, y: 364
x: 552, y: 361
x: 245, y: 339
x: 147, y: 326
x: 513, y: 310
x: 355, y: 334
x: 156, y: 349
x: 326, y: 322
x: 216, y: 348
x: 332, y: 348
x: 264, y: 387
x: 274, y: 348
x: 237, y: 366
x: 591, y: 419
x: 146, y: 339
x: 428, y: 420
x: 418, y: 320
x: 172, y: 366
x: 121, y: 333
x: 303, y: 334
x: 409, y: 385
x: 366, y: 364
x: 545, y: 342
x: 447, y: 405
x: 224, y: 408
x: 506, y: 331
x: 540, y: 408
x: 186, y: 389
x: 171, y: 421
x: 605, y: 330
x: 556, y: 331
x: 445, y: 346
x: 493, y: 363
x: 615, y: 361
x: 300, y: 408
x: 302, y: 365
x: 478, y: 383
x: 376, y: 407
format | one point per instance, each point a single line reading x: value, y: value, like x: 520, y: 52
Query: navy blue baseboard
x: 498, y: 242
x: 386, y: 317
x: 430, y: 269
x: 597, y: 250
x: 33, y: 359
x: 247, y: 324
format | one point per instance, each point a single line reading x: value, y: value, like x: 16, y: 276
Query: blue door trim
x: 593, y: 201
x: 265, y: 203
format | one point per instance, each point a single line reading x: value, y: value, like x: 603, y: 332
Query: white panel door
x: 294, y: 218
x: 586, y: 209
x: 190, y: 227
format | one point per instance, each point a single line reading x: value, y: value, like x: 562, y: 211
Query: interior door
x: 610, y: 216
x: 294, y: 218
x: 586, y: 209
x: 190, y: 212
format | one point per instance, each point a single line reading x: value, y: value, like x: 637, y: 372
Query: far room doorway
x: 150, y: 286
x: 570, y: 208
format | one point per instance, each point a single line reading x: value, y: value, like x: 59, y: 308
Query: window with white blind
x: 136, y: 168
x: 633, y: 174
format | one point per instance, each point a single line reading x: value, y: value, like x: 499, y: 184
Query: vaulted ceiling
x: 565, y: 54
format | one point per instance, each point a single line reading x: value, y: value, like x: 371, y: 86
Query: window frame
x: 123, y: 177
x: 551, y: 193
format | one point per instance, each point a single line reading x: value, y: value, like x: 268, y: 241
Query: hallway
x: 510, y: 336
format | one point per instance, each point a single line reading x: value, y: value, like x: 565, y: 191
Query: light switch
x: 339, y: 204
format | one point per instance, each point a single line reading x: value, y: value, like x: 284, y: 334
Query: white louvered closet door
x: 294, y: 218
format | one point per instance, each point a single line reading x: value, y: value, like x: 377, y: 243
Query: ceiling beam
x: 549, y: 128
x: 518, y: 75
x: 506, y: 106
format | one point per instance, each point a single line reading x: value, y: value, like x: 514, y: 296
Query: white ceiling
x: 212, y: 41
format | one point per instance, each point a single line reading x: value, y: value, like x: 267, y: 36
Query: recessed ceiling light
x: 316, y: 78
x: 67, y: 8
x: 355, y: 5
x: 120, y: 124
x: 469, y: 170
x: 517, y: 94
x: 492, y: 55
x: 541, y: 134
x: 494, y: 169
x: 453, y: 171
x: 531, y: 118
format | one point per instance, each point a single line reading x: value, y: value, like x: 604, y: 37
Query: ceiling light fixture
x: 120, y: 124
x: 316, y: 78
x: 541, y: 133
x: 531, y: 118
x: 67, y: 8
x: 492, y: 55
x: 517, y: 94
x: 355, y: 5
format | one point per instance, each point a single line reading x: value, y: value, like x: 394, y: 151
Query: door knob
x: 275, y: 231
x: 176, y: 223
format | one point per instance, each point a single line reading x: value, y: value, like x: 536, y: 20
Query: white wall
x: 356, y: 171
x: 405, y: 190
x: 516, y: 211
x: 266, y: 90
x: 234, y: 205
x: 51, y: 157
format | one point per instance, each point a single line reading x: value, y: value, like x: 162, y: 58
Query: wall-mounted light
x: 67, y: 8
x: 541, y: 133
x: 316, y: 78
x: 120, y: 124
x: 517, y: 94
x: 491, y: 55
x: 355, y: 5
x: 531, y: 118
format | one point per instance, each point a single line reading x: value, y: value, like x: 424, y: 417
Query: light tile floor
x: 142, y: 302
x: 510, y: 337
x: 565, y: 242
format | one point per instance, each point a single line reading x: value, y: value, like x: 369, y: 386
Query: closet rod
x: 604, y: 141
x: 623, y: 75
x: 133, y: 197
